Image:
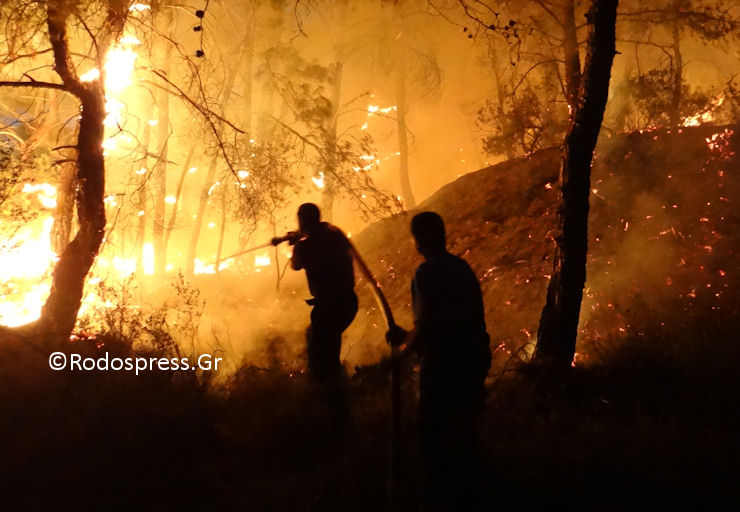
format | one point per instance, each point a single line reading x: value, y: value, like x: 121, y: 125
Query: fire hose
x: 394, y: 446
x: 291, y: 236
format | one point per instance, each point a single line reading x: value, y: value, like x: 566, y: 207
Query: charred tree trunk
x: 61, y: 231
x: 558, y: 329
x: 59, y: 313
x: 403, y: 144
x: 571, y: 57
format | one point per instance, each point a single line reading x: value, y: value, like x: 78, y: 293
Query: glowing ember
x: 372, y: 109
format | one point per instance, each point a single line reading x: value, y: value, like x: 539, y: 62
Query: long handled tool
x: 394, y: 447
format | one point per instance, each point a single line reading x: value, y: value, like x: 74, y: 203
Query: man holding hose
x: 453, y: 346
x: 326, y: 254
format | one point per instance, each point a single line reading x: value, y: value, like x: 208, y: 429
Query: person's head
x: 309, y: 217
x: 428, y: 229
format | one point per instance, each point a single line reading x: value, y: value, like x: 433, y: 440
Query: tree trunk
x: 199, y: 215
x: 160, y: 176
x: 178, y: 195
x: 558, y: 327
x: 338, y: 18
x: 208, y: 183
x: 403, y: 144
x: 59, y: 313
x: 247, y: 73
x: 140, y: 198
x: 571, y: 57
x: 677, y: 66
x: 221, y: 230
x: 501, y: 101
x: 330, y: 143
x: 247, y: 95
x: 61, y: 231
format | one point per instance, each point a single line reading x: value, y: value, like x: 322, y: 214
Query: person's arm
x: 410, y: 341
x: 426, y: 319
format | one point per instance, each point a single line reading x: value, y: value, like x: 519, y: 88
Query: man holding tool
x: 326, y: 254
x: 451, y: 339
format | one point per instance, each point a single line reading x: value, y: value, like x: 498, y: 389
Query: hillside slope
x: 662, y: 235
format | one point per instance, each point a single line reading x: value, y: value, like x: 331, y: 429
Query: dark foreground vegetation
x: 647, y: 419
x: 656, y: 428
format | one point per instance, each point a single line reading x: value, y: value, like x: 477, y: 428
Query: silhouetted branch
x: 37, y: 85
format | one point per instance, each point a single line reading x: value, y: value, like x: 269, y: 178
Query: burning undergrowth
x: 662, y: 258
x: 657, y: 273
x: 662, y: 241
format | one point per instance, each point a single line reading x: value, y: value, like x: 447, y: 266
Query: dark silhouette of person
x: 324, y: 252
x: 453, y: 346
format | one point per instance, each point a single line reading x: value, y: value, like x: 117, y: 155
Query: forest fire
x: 31, y: 259
x: 520, y: 216
x: 708, y: 115
x: 30, y: 252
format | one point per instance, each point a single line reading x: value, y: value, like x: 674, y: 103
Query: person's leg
x: 467, y: 465
x: 313, y: 352
x: 323, y: 343
x: 347, y: 309
x: 344, y: 312
x: 437, y: 444
x: 329, y: 319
